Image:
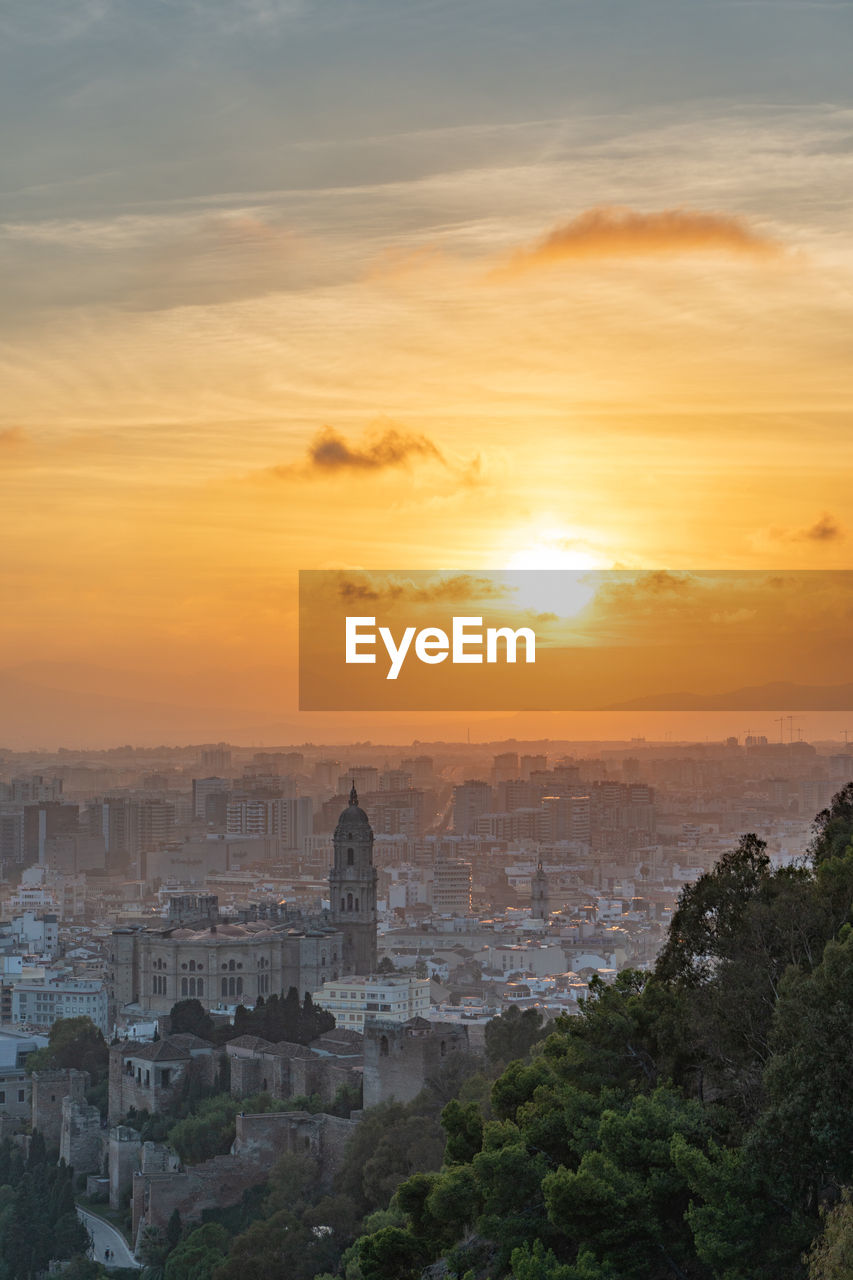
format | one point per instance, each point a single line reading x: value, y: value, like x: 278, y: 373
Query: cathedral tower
x: 539, y: 894
x: 352, y: 886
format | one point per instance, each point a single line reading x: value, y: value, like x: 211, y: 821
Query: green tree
x: 198, y: 1255
x: 189, y: 1017
x: 831, y: 1255
x: 73, y: 1042
x: 513, y: 1034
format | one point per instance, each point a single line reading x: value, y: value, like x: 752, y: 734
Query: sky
x: 372, y: 284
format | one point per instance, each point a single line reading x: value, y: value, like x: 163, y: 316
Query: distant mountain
x: 778, y: 696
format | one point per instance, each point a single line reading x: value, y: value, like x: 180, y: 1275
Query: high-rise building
x: 451, y: 887
x: 506, y: 767
x: 352, y: 888
x: 471, y: 799
x: 216, y: 758
x: 204, y: 787
x: 533, y: 764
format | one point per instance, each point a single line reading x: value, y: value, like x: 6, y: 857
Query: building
x: 289, y: 817
x: 15, y: 1086
x: 352, y: 888
x: 147, y: 1076
x: 356, y: 1001
x: 221, y: 965
x: 451, y: 887
x: 471, y: 799
x: 399, y: 1058
x: 539, y: 894
x: 40, y: 1003
x: 205, y: 787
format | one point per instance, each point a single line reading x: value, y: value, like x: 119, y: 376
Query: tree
x: 832, y: 829
x: 513, y: 1034
x: 73, y: 1042
x: 198, y: 1255
x: 189, y: 1017
x: 831, y: 1255
x: 710, y: 911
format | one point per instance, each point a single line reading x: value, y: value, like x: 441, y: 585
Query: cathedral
x: 224, y: 964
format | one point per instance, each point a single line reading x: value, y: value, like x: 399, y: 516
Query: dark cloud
x: 391, y: 447
x: 330, y: 454
x: 461, y: 588
x: 622, y: 233
x: 826, y: 529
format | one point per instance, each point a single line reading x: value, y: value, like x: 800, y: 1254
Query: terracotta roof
x: 188, y: 1041
x: 248, y: 1042
x: 284, y: 1049
x: 161, y: 1051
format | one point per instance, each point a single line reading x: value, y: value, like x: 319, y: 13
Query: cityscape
x: 403, y: 903
x: 426, y: 702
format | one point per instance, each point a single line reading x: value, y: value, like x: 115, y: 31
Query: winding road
x: 106, y: 1237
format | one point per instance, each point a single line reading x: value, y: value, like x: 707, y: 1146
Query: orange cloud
x: 620, y: 233
x: 12, y: 441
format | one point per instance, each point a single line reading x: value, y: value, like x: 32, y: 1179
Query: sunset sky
x: 416, y: 284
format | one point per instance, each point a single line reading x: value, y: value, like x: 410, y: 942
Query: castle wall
x: 399, y: 1059
x: 124, y: 1149
x: 81, y: 1143
x: 48, y: 1090
x: 218, y: 1183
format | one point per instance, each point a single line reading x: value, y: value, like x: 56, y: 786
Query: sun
x: 556, y: 578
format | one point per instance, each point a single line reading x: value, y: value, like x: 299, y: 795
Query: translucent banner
x: 575, y: 640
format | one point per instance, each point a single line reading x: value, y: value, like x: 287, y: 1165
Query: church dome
x: 353, y: 820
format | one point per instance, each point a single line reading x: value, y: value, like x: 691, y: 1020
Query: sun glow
x: 557, y: 577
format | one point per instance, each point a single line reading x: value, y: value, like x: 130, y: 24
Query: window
x: 184, y: 987
x: 200, y: 987
x: 21, y: 1095
x: 2, y: 1095
x: 350, y: 857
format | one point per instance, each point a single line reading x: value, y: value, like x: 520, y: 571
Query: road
x: 106, y: 1237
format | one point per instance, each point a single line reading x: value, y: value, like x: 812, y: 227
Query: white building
x: 38, y: 934
x: 391, y: 997
x: 41, y: 1003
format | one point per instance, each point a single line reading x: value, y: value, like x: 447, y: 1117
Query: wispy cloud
x: 608, y: 232
x: 12, y: 439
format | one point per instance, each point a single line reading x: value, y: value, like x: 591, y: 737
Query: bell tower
x: 539, y: 894
x: 352, y: 888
